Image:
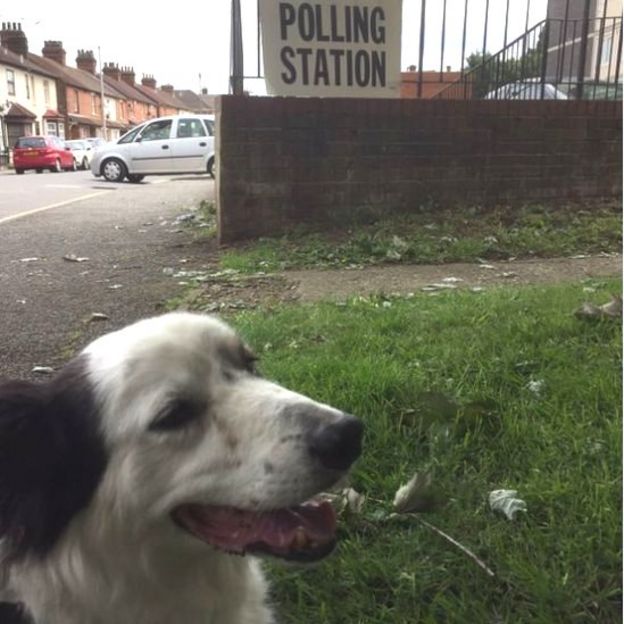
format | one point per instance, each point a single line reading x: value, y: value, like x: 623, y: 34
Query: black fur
x: 52, y: 457
x: 13, y: 614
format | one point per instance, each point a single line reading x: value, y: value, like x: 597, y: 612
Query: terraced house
x: 28, y: 95
x: 41, y: 94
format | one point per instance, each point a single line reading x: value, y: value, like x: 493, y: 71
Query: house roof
x: 195, y: 102
x: 162, y: 97
x: 17, y: 111
x: 21, y: 62
x: 73, y: 77
x: 126, y: 90
x: 52, y: 114
x: 209, y: 100
x: 90, y: 120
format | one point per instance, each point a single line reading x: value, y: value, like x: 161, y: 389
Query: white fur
x: 122, y: 560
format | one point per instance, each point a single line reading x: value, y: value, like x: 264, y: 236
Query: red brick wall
x: 432, y: 85
x: 290, y: 161
x: 84, y: 101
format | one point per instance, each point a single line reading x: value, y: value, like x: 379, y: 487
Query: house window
x: 607, y: 46
x: 61, y: 128
x: 10, y: 81
x: 34, y: 91
x: 52, y: 128
x: 76, y: 102
x: 93, y: 104
x: 27, y: 87
x: 46, y: 91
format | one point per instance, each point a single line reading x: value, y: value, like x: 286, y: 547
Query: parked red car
x: 42, y: 152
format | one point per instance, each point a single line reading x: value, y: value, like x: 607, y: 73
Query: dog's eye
x: 177, y: 414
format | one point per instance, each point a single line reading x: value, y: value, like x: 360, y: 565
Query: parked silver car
x: 162, y: 146
x: 82, y: 151
x: 528, y: 89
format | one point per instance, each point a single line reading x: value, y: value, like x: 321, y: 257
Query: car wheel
x: 74, y: 166
x: 19, y: 171
x: 57, y: 167
x: 39, y: 170
x: 85, y: 163
x: 211, y: 168
x: 135, y: 178
x: 113, y: 170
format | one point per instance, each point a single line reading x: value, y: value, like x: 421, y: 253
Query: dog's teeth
x: 300, y: 539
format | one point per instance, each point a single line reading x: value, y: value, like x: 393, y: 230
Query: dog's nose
x: 337, y: 445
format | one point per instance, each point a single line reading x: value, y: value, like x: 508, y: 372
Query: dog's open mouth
x: 303, y: 533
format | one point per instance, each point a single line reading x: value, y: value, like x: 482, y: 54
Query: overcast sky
x: 177, y: 43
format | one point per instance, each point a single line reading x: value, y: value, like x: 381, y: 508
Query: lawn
x: 435, y: 235
x: 502, y: 389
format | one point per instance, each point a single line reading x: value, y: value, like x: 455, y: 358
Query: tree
x: 516, y: 62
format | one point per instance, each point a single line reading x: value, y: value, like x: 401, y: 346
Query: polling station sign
x: 332, y: 48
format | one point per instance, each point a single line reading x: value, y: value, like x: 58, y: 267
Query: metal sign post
x: 237, y: 71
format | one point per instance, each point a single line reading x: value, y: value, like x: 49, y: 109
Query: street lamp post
x: 102, y: 95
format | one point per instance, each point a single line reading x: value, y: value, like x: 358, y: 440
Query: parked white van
x: 162, y: 146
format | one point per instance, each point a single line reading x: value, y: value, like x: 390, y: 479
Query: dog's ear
x: 51, y: 459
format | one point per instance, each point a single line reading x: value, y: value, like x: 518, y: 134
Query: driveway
x: 125, y: 236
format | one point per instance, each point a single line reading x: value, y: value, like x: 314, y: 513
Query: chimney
x: 13, y: 38
x: 112, y: 71
x: 86, y: 61
x: 448, y: 68
x: 167, y: 89
x: 411, y: 68
x: 204, y: 91
x: 148, y: 81
x: 127, y: 75
x: 54, y: 51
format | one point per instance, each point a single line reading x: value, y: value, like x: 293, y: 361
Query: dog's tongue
x: 281, y: 532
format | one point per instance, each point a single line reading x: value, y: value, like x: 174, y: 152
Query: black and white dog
x: 132, y: 483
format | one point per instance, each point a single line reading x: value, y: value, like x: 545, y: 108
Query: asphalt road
x: 33, y: 192
x: 126, y: 235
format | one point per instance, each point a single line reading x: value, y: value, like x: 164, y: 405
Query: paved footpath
x: 46, y: 301
x: 314, y: 285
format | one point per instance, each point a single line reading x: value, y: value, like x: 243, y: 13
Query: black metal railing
x: 568, y: 55
x: 433, y: 26
x: 556, y: 59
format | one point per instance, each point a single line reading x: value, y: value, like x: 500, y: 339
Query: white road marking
x: 58, y: 205
x: 63, y: 186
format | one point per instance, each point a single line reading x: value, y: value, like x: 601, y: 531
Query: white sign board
x: 332, y: 48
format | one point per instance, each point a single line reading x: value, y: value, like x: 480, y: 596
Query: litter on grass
x: 506, y: 502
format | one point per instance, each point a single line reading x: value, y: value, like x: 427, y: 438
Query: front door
x: 151, y: 150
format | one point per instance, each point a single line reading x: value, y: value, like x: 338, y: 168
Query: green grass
x: 434, y: 235
x: 442, y: 383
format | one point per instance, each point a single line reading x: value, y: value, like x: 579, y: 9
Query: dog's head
x: 166, y: 426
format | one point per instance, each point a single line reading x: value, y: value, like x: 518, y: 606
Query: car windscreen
x: 129, y: 137
x: 30, y: 142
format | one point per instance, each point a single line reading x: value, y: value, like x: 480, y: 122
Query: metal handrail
x: 550, y: 54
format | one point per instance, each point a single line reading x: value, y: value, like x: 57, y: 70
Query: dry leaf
x: 609, y: 310
x: 347, y: 500
x: 42, y: 370
x: 415, y: 496
x: 99, y: 316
